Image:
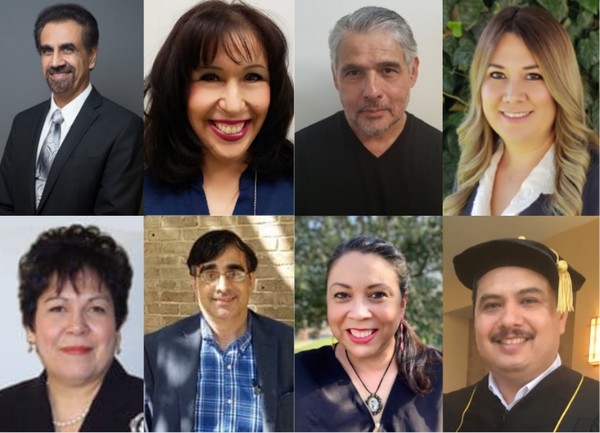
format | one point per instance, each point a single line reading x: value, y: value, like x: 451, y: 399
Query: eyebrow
x: 91, y: 299
x: 496, y: 65
x: 521, y: 292
x: 369, y: 287
x: 218, y: 68
x: 229, y: 267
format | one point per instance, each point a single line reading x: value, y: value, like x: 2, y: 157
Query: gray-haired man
x: 372, y: 158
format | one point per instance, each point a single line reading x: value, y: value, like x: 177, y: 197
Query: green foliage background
x: 464, y: 21
x: 420, y: 240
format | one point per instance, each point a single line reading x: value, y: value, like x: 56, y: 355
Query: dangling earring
x: 31, y: 346
x: 118, y: 345
x: 402, y: 334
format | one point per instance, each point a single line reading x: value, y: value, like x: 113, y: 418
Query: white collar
x: 525, y: 389
x: 71, y: 110
x: 539, y: 181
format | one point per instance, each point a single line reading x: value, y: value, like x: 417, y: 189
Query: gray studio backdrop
x: 119, y: 66
x: 17, y: 234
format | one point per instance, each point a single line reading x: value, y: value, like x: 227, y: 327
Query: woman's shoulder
x: 21, y: 390
x: 313, y: 362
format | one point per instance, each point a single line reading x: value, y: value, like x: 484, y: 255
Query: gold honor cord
x: 462, y: 418
x: 568, y: 405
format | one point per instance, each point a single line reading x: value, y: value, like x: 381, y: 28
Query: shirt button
x: 229, y: 367
x: 229, y: 401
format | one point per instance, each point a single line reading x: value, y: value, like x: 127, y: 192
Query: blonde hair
x: 552, y: 49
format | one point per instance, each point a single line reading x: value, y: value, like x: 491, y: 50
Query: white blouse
x: 540, y: 181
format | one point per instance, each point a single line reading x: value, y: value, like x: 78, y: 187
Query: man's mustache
x: 374, y: 104
x: 60, y: 70
x: 504, y: 333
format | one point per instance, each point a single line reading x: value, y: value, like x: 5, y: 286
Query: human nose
x: 372, y: 85
x: 359, y: 309
x: 56, y: 59
x: 221, y: 282
x: 232, y: 98
x: 513, y: 91
x: 77, y: 322
x: 511, y: 315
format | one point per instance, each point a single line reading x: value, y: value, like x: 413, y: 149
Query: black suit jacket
x: 97, y: 171
x: 25, y: 407
x: 171, y: 362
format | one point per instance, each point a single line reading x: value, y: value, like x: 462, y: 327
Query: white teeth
x: 516, y: 115
x: 229, y: 128
x: 361, y: 334
x: 512, y: 341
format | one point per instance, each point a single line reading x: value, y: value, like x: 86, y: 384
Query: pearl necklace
x: 71, y: 421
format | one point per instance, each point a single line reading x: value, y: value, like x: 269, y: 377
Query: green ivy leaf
x: 456, y: 27
x: 587, y: 51
x: 469, y: 11
x: 463, y: 55
x: 558, y: 8
x: 590, y: 5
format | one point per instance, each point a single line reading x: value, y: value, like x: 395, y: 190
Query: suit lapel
x: 190, y: 342
x: 87, y: 115
x: 30, y: 144
x: 265, y: 350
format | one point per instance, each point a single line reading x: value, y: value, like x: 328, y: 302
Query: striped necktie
x: 47, y: 154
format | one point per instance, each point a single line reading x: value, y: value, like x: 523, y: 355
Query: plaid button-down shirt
x: 228, y: 397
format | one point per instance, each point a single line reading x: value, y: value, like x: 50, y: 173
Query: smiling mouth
x: 509, y: 341
x: 229, y: 128
x: 361, y: 333
x: 516, y: 115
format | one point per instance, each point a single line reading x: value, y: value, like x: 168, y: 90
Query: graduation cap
x: 476, y: 261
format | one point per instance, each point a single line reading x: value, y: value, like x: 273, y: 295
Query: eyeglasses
x: 210, y: 276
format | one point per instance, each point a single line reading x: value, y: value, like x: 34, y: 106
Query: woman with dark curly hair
x: 74, y: 284
x: 219, y: 106
x: 379, y: 376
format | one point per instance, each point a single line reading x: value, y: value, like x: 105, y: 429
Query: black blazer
x: 25, y: 407
x: 171, y: 362
x: 97, y: 170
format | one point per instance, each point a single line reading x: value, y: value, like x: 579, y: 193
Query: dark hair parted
x: 173, y: 152
x: 212, y: 244
x: 68, y: 12
x: 65, y: 252
x: 416, y: 361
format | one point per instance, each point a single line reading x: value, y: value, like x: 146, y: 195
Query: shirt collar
x: 241, y: 343
x: 525, y: 389
x: 71, y: 110
x: 540, y: 181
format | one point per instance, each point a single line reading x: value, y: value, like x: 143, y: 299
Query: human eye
x: 57, y: 308
x: 491, y: 306
x: 68, y: 50
x: 497, y: 75
x: 530, y: 301
x: 351, y: 73
x: 254, y: 76
x: 208, y: 77
x: 389, y: 70
x: 209, y: 275
x: 98, y: 309
x: 45, y: 50
x: 342, y: 296
x: 533, y: 76
x: 378, y: 295
x: 236, y: 275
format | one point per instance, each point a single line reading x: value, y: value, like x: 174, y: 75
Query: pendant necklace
x: 373, y: 401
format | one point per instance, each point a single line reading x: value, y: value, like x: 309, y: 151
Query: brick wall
x: 168, y: 293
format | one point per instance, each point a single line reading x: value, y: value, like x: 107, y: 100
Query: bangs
x: 239, y: 45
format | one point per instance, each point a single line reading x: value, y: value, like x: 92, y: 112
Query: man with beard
x: 77, y: 153
x: 372, y: 158
x: 226, y: 368
x: 522, y: 293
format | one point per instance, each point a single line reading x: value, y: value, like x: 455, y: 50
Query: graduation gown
x: 540, y: 410
x: 327, y: 401
x: 25, y: 407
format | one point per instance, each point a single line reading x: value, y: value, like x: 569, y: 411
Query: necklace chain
x: 73, y: 420
x: 373, y: 401
x: 255, y: 182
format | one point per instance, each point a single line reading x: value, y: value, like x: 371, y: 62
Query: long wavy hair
x: 551, y: 47
x: 173, y: 152
x: 416, y: 361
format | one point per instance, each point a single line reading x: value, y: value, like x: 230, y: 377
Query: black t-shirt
x: 337, y: 175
